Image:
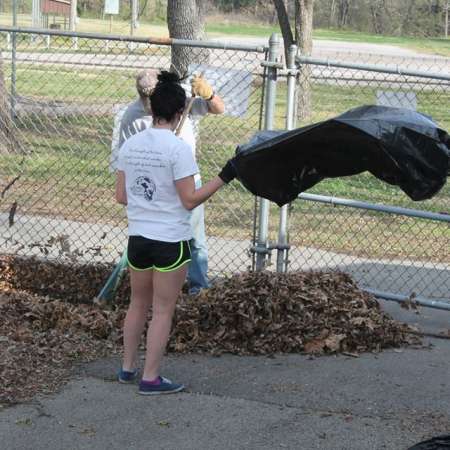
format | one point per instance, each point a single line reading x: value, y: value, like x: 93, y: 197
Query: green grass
x: 66, y: 171
x: 92, y: 87
x: 103, y: 88
x: 86, y: 46
x: 86, y: 86
x: 120, y: 27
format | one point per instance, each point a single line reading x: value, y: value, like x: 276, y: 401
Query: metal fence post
x: 13, y: 63
x: 269, y: 113
x: 283, y: 242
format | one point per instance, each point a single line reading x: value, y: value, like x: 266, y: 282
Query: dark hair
x: 168, y: 98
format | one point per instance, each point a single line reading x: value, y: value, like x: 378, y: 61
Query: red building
x: 56, y: 7
x: 56, y: 13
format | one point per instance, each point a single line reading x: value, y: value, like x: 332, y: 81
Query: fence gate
x: 392, y: 246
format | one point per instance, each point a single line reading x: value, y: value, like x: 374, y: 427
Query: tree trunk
x: 343, y: 10
x: 332, y: 14
x: 378, y: 10
x: 303, y: 36
x: 185, y: 19
x: 406, y: 22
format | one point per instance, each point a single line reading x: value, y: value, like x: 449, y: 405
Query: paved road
x: 364, y: 53
x: 331, y: 46
x: 340, y: 50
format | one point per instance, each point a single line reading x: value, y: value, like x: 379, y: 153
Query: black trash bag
x: 399, y: 146
x: 436, y: 443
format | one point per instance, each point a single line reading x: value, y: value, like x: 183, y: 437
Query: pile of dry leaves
x: 48, y: 320
x: 264, y: 313
x: 74, y: 283
x: 40, y: 338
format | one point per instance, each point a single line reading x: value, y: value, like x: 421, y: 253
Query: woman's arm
x: 121, y: 193
x: 191, y: 197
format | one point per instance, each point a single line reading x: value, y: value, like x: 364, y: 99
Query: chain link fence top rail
x: 62, y: 93
x: 388, y: 252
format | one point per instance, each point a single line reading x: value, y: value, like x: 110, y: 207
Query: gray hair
x: 146, y: 82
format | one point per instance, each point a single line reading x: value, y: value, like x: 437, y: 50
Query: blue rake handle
x: 109, y: 289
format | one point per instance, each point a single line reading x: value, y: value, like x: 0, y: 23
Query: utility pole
x: 13, y: 63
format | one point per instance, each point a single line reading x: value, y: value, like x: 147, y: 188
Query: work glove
x: 201, y: 88
x: 228, y: 172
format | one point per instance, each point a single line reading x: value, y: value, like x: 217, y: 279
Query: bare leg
x: 166, y: 289
x: 141, y: 300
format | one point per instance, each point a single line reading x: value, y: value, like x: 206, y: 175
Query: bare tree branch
x: 285, y: 26
x: 8, y: 186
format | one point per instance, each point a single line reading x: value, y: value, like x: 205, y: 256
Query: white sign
x: 111, y: 6
x: 232, y: 85
x: 397, y: 99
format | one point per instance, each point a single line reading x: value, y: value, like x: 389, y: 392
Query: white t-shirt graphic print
x: 152, y: 161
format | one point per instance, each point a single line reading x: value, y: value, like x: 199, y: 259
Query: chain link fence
x: 63, y: 90
x: 387, y: 250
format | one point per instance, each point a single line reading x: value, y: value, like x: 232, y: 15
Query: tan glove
x: 201, y: 88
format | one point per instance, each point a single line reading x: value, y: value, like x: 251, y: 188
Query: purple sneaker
x: 126, y: 376
x: 164, y: 386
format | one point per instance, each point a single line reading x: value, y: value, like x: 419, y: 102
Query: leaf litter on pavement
x: 48, y: 320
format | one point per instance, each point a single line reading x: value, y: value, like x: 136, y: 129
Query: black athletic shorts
x: 146, y: 254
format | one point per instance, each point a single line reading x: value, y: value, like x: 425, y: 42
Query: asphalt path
x: 389, y: 400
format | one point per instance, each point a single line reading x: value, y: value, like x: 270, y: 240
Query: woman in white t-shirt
x: 155, y: 179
